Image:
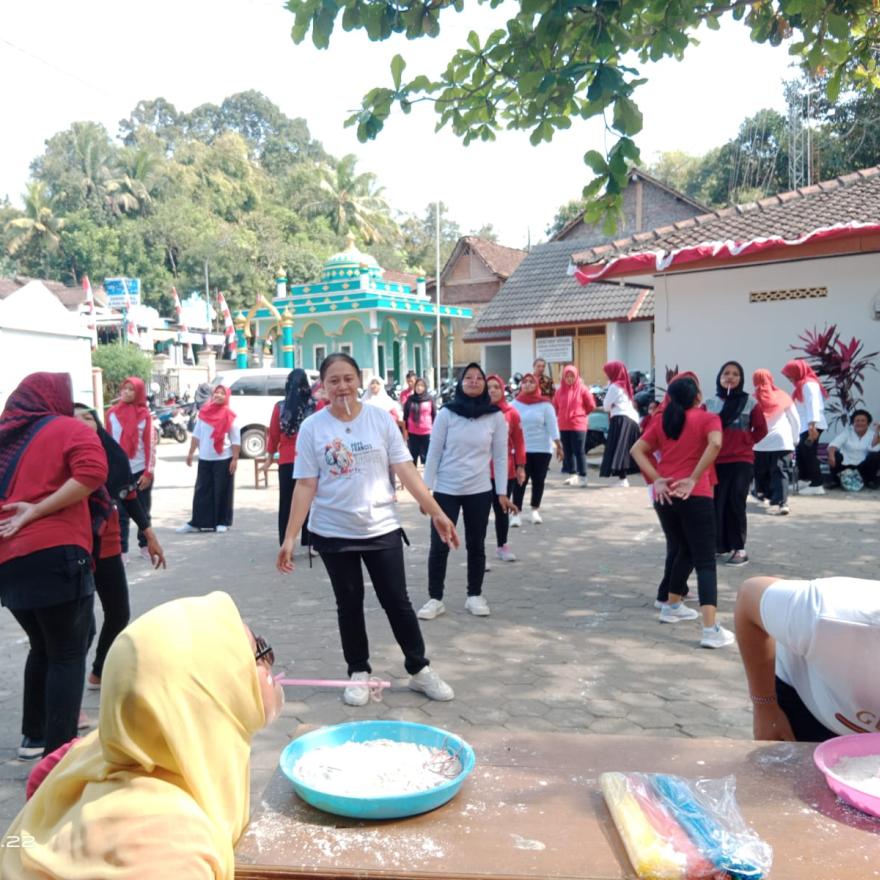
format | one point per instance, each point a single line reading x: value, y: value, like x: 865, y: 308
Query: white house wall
x: 705, y: 318
x: 522, y: 349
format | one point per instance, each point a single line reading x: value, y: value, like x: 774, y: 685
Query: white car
x: 254, y: 393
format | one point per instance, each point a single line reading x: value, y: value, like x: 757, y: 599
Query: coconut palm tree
x: 39, y: 230
x: 129, y: 191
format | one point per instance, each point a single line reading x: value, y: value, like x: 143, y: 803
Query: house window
x: 320, y: 352
x: 763, y: 296
x: 345, y: 348
x: 417, y: 359
x: 380, y: 367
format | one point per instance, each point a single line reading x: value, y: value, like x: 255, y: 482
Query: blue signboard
x: 116, y: 289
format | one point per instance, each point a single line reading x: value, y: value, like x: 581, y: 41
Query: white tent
x: 37, y: 333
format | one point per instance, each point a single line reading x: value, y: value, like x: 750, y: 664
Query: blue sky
x: 61, y: 62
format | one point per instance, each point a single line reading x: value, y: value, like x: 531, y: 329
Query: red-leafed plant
x: 840, y: 365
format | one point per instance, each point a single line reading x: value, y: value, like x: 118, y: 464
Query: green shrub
x: 118, y: 362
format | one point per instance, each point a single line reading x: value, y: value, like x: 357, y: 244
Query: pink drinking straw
x: 375, y: 685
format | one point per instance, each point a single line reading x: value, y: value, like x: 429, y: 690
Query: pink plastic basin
x: 857, y: 745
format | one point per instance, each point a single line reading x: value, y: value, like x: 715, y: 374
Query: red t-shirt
x: 678, y: 458
x: 64, y: 448
x: 283, y: 444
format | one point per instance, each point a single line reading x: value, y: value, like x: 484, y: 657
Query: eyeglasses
x: 264, y: 651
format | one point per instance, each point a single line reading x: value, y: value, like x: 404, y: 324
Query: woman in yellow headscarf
x: 161, y: 789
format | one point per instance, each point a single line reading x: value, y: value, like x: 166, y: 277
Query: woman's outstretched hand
x: 446, y: 530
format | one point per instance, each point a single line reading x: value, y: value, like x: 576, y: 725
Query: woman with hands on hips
x: 341, y: 471
x: 688, y: 439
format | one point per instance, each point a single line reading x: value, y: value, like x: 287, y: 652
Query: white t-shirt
x: 618, y: 403
x: 852, y: 448
x: 827, y: 635
x: 203, y: 432
x: 539, y: 425
x: 783, y: 432
x: 460, y: 452
x: 137, y: 461
x: 354, y: 498
x: 812, y: 407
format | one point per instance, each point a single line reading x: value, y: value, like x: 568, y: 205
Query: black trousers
x: 689, y: 527
x: 418, y: 446
x: 868, y: 468
x: 804, y: 725
x: 807, y: 457
x: 388, y: 575
x: 286, y: 486
x: 771, y: 476
x: 213, y: 495
x: 111, y: 586
x: 502, y: 517
x: 537, y: 465
x: 54, y: 673
x: 475, y: 511
x: 734, y: 481
x: 574, y: 461
x: 145, y: 496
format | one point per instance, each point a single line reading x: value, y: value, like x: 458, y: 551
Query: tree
x: 117, y: 363
x: 38, y: 233
x: 420, y: 238
x: 564, y: 214
x: 555, y: 62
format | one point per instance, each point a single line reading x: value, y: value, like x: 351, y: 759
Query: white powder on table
x: 862, y: 773
x: 376, y: 768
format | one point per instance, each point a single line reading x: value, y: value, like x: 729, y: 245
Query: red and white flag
x: 91, y: 317
x: 178, y: 310
x: 228, y: 326
x: 131, y: 331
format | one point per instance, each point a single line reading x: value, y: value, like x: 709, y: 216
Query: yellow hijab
x: 161, y: 789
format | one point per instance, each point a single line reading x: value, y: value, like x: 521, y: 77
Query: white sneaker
x: 582, y: 482
x: 659, y: 605
x: 515, y: 520
x: 185, y: 529
x: 357, y: 695
x: 571, y: 481
x: 125, y: 559
x: 144, y: 553
x: 505, y: 554
x: 716, y: 637
x: 431, y: 609
x: 672, y: 614
x: 623, y: 483
x: 477, y: 606
x: 536, y: 517
x: 784, y: 510
x: 221, y: 529
x: 802, y: 484
x: 427, y: 682
x: 813, y: 490
x: 486, y: 565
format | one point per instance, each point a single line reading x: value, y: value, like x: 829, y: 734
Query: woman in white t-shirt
x: 809, y: 398
x: 810, y: 652
x: 773, y: 451
x: 343, y: 455
x: 623, y: 424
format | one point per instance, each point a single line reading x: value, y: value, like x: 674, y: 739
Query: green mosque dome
x: 346, y: 265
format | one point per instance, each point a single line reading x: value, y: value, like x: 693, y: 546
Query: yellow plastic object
x: 652, y: 857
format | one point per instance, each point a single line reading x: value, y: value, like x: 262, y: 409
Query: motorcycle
x: 171, y: 422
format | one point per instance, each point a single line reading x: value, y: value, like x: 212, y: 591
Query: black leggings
x: 804, y: 725
x: 689, y: 526
x: 112, y: 588
x: 418, y: 447
x: 537, y: 465
x: 574, y: 461
x: 475, y: 511
x: 388, y: 575
x: 55, y: 670
x: 145, y: 496
x: 807, y: 457
x: 286, y: 486
x: 502, y: 517
x: 734, y: 480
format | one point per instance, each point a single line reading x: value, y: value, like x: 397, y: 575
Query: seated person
x: 161, y: 789
x: 810, y: 652
x: 858, y: 447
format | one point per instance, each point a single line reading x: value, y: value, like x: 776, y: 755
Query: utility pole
x: 437, y: 347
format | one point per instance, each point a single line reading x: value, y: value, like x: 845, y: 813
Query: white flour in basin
x: 862, y: 773
x: 376, y: 768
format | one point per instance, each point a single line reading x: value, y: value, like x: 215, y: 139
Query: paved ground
x: 573, y: 642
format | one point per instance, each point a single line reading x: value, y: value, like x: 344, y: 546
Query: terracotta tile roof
x: 70, y: 297
x: 392, y: 276
x: 851, y: 198
x: 540, y: 292
x: 473, y: 334
x: 500, y: 259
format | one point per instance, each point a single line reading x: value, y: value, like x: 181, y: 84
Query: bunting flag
x: 91, y: 316
x: 228, y: 326
x: 178, y: 310
x: 131, y: 331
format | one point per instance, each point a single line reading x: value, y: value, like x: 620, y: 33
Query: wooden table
x: 532, y: 809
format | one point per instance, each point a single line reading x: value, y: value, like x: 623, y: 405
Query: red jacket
x: 572, y: 409
x: 62, y: 449
x: 283, y: 444
x: 516, y: 443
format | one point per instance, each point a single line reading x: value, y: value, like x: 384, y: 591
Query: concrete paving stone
x: 700, y: 730
x: 618, y: 725
x: 488, y: 716
x: 529, y: 724
x: 642, y: 700
x: 652, y: 718
x: 570, y: 717
x: 605, y: 708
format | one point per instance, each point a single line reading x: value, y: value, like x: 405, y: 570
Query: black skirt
x: 616, y: 460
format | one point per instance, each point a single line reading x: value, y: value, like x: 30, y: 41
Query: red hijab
x: 534, y: 396
x: 38, y: 398
x: 130, y: 415
x: 219, y: 416
x: 618, y: 374
x: 771, y: 399
x: 568, y: 399
x: 799, y: 372
x: 502, y: 404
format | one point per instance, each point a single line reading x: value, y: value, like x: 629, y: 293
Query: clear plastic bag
x: 684, y: 829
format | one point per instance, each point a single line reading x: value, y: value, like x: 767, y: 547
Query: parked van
x: 253, y: 394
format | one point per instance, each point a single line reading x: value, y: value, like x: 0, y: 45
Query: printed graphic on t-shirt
x: 339, y: 458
